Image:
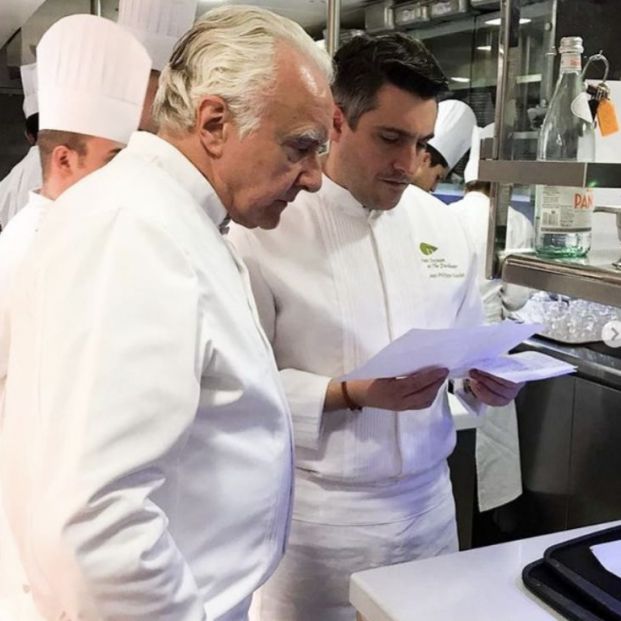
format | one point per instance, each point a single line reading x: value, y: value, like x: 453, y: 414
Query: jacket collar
x: 163, y: 154
x: 36, y: 199
x: 342, y: 198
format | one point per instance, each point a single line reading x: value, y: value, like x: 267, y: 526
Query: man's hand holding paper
x: 478, y: 354
x: 413, y: 392
x: 492, y: 390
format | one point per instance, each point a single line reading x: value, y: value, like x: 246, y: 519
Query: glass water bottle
x: 563, y: 215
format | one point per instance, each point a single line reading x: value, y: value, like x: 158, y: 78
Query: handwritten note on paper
x: 527, y: 366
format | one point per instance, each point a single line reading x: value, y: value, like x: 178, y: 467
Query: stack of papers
x: 461, y: 349
x: 526, y: 366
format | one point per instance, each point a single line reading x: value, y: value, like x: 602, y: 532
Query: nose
x: 407, y: 160
x: 310, y: 176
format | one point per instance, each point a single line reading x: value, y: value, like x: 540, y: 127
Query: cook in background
x: 157, y: 24
x: 26, y: 174
x: 499, y: 478
x: 87, y: 115
x: 451, y: 141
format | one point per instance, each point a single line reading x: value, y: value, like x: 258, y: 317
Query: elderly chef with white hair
x: 158, y: 477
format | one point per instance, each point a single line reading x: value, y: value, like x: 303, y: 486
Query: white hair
x: 229, y: 53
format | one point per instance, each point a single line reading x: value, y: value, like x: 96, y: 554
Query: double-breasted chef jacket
x: 146, y: 442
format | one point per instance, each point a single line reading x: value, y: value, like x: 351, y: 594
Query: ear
x: 338, y: 123
x: 426, y: 159
x: 65, y: 162
x: 213, y: 124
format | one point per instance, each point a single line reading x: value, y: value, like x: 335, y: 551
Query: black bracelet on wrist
x: 351, y: 404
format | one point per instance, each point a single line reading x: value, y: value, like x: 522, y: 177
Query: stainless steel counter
x: 570, y: 434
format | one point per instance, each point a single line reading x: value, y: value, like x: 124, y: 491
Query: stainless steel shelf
x: 593, y: 278
x: 568, y: 174
x: 528, y: 79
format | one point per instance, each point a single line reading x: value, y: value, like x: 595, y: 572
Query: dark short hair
x: 435, y: 157
x: 484, y: 187
x: 32, y: 125
x: 366, y: 63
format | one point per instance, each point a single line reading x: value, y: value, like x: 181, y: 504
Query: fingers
x: 484, y: 376
x: 421, y: 380
x: 423, y: 399
x: 414, y: 392
x: 486, y: 395
x: 491, y: 390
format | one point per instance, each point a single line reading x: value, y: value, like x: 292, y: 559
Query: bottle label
x: 571, y: 61
x: 564, y: 210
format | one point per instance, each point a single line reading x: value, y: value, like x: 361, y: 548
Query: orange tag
x: 607, y: 117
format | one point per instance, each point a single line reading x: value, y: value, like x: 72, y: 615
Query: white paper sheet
x: 456, y: 349
x: 527, y: 366
x: 609, y: 555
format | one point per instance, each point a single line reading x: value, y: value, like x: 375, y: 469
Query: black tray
x: 577, y: 565
x: 541, y: 580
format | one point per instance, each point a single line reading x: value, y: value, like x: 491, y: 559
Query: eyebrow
x: 309, y: 136
x: 401, y: 132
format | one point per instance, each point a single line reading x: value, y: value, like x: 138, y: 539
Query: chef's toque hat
x: 157, y: 24
x: 453, y: 130
x: 93, y: 78
x: 471, y: 172
x: 29, y: 84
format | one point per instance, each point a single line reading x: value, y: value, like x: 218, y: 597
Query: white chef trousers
x: 338, y: 530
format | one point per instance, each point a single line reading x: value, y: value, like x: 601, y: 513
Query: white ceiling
x: 14, y: 13
x: 310, y: 14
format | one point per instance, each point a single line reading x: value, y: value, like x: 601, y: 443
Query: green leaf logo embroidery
x: 427, y: 249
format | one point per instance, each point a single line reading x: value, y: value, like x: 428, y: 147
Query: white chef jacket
x: 25, y: 176
x: 335, y: 283
x: 157, y: 480
x: 499, y: 477
x: 15, y: 240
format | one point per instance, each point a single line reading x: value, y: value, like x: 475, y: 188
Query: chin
x: 270, y: 217
x: 388, y: 203
x: 269, y: 223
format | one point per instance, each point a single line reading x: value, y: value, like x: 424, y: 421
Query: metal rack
x: 597, y: 278
x: 569, y: 174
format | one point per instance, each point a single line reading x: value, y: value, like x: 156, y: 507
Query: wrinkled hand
x: 493, y: 390
x: 413, y: 392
